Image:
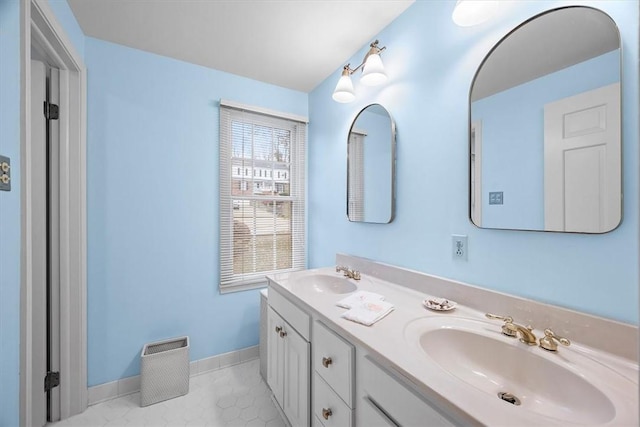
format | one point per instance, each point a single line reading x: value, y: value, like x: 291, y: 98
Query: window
x: 261, y: 229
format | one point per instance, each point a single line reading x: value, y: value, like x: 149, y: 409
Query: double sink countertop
x: 576, y: 385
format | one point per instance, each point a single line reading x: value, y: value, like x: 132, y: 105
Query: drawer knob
x: 326, y: 413
x: 283, y: 334
x: 326, y: 361
x: 278, y: 329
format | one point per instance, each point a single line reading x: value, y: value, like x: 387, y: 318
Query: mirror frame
x: 470, y: 123
x: 393, y: 164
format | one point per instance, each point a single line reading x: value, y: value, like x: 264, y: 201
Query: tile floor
x: 232, y: 396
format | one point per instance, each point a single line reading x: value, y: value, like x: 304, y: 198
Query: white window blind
x: 355, y: 177
x: 262, y: 196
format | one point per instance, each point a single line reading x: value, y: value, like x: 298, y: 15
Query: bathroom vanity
x: 421, y: 367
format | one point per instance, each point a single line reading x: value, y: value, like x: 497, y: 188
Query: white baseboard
x: 122, y: 387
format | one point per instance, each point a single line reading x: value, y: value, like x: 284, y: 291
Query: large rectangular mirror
x: 545, y: 123
x: 371, y: 166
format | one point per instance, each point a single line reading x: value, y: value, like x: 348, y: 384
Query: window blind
x: 262, y: 196
x: 355, y: 176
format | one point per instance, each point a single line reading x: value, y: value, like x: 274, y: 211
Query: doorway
x: 45, y: 222
x: 53, y: 229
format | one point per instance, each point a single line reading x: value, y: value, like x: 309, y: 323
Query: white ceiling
x: 290, y: 43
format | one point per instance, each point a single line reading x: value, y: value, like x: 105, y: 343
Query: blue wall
x: 152, y: 168
x: 10, y: 213
x: 512, y: 139
x: 431, y: 63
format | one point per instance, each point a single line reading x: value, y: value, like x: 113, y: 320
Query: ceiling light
x: 372, y: 74
x: 473, y: 12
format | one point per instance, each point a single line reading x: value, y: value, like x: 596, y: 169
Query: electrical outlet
x: 459, y: 248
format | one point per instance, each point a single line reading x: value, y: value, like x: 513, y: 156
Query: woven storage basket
x: 164, y: 370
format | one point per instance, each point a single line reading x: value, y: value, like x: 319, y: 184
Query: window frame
x: 229, y: 112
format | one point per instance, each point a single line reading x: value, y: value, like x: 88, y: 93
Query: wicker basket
x: 164, y: 370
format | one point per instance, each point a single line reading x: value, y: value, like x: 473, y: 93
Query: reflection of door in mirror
x: 476, y: 173
x: 582, y: 161
x: 355, y: 192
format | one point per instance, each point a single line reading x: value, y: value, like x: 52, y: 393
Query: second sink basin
x: 553, y: 385
x: 324, y: 283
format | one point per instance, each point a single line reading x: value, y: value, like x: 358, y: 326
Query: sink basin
x: 564, y: 386
x: 324, y: 283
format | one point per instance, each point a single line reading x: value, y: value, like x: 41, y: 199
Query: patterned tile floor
x: 233, y: 396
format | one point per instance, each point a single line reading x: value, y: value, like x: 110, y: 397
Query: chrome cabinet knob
x: 326, y: 361
x: 283, y: 334
x: 278, y: 329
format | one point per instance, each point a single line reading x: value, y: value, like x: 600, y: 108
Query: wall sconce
x: 467, y: 13
x: 372, y: 74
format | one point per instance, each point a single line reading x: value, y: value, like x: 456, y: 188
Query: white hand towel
x: 368, y: 312
x: 358, y: 298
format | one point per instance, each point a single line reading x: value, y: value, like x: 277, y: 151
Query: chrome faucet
x: 348, y: 272
x: 513, y: 329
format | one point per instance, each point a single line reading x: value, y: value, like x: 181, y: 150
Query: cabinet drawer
x: 369, y: 415
x: 333, y: 360
x: 400, y: 404
x: 294, y: 316
x: 325, y: 400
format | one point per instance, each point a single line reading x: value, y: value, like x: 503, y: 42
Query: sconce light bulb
x: 373, y: 72
x: 344, y: 91
x: 468, y: 13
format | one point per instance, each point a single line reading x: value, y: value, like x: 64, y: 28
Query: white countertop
x: 386, y: 340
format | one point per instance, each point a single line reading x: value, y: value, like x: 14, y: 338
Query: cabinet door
x: 296, y: 378
x: 275, y: 349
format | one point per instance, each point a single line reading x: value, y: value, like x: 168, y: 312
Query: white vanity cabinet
x: 334, y: 382
x: 288, y: 370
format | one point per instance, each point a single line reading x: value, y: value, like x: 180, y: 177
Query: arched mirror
x: 371, y: 159
x: 545, y: 123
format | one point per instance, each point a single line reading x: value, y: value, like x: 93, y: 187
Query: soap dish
x: 439, y: 304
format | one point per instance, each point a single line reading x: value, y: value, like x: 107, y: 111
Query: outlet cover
x: 496, y: 197
x: 459, y: 248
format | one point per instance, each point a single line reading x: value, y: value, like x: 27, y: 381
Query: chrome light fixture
x: 372, y: 74
x: 473, y: 12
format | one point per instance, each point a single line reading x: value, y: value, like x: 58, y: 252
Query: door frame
x: 475, y: 174
x: 40, y: 27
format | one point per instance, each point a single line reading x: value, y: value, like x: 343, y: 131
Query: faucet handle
x: 508, y: 329
x: 548, y: 342
x: 507, y: 319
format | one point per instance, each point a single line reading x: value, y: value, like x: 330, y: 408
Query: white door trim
x: 40, y: 26
x: 476, y: 173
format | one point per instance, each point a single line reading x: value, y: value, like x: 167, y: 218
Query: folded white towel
x: 368, y: 312
x: 358, y: 298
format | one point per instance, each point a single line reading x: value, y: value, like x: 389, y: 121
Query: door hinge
x: 51, y: 111
x: 51, y: 380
